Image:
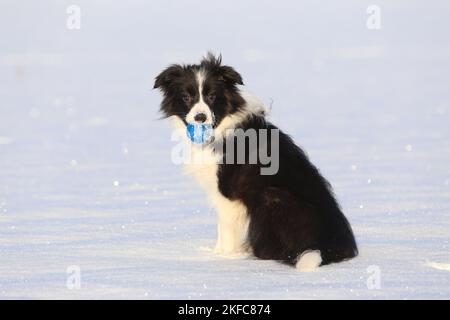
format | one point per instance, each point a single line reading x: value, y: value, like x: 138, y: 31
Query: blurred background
x: 85, y: 171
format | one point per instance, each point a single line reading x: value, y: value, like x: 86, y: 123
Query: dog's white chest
x: 203, y: 166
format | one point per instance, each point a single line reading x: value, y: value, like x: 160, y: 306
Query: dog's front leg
x: 232, y: 228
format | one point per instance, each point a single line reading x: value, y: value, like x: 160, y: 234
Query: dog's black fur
x: 290, y: 212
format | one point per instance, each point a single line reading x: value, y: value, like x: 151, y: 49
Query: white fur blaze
x: 200, y: 106
x: 309, y: 261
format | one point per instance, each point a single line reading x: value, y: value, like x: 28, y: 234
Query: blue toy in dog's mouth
x: 200, y: 133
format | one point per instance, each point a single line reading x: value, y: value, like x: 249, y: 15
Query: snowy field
x: 86, y: 179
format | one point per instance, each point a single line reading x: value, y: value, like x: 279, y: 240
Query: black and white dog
x: 290, y: 215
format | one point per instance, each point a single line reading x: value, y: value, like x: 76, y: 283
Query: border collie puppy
x: 288, y: 215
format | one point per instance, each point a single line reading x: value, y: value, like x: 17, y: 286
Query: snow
x: 86, y: 180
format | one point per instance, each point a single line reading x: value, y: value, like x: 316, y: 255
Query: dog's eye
x: 211, y: 97
x: 187, y: 98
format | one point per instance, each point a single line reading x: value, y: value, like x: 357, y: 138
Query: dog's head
x: 202, y: 93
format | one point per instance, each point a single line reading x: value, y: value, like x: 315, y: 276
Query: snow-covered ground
x: 86, y: 179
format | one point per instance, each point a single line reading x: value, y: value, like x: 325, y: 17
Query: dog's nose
x: 200, y: 117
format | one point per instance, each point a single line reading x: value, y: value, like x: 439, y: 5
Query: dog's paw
x: 218, y: 250
x: 239, y: 253
x: 234, y: 255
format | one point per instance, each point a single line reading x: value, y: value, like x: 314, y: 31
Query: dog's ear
x: 229, y: 75
x: 224, y: 73
x: 165, y: 78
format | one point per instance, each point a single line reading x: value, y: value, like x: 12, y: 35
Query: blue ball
x: 199, y: 133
